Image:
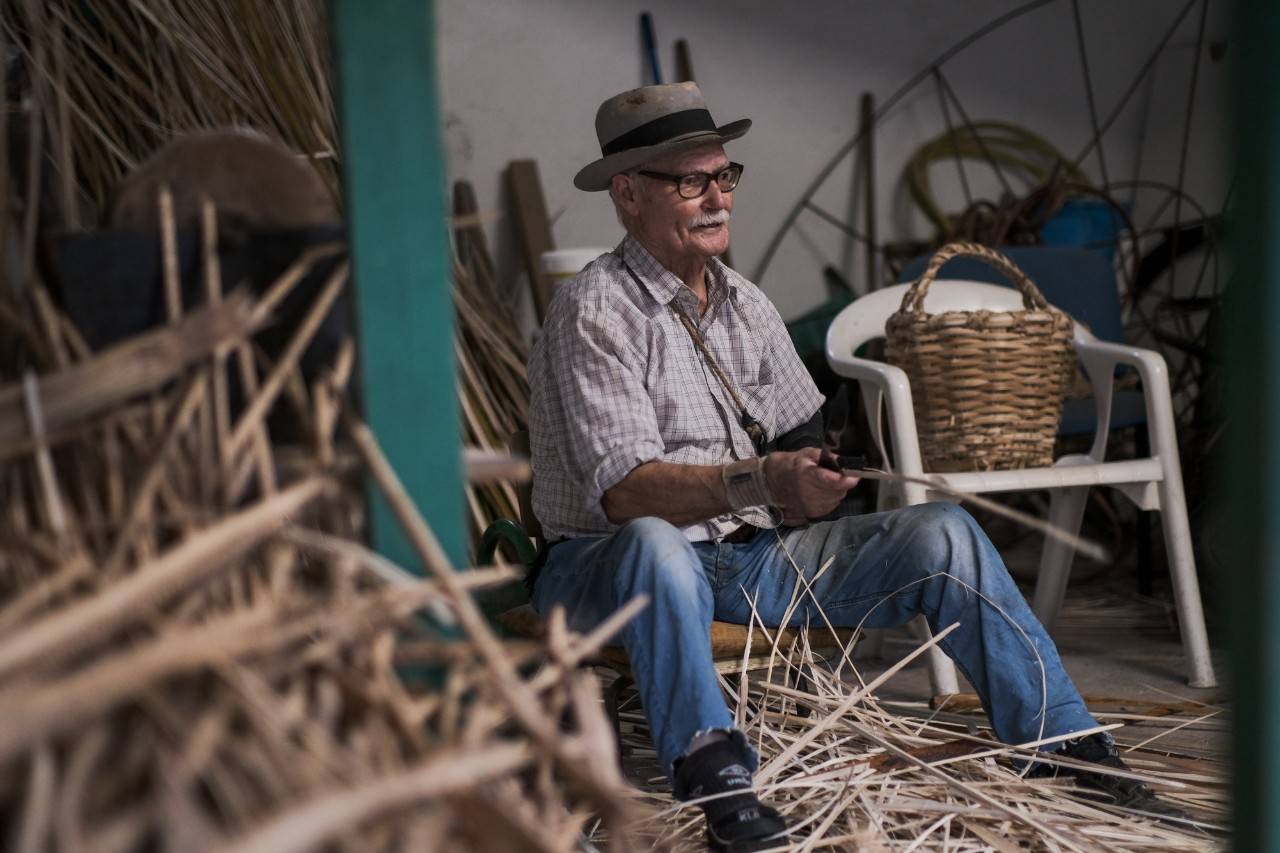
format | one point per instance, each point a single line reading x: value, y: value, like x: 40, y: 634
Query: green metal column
x: 1254, y: 428
x: 394, y: 174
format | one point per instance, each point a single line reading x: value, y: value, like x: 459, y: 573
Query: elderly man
x: 674, y: 437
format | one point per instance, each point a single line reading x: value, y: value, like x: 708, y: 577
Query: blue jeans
x: 932, y: 559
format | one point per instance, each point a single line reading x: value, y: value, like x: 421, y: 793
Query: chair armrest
x: 1100, y: 359
x: 505, y: 530
x: 866, y: 370
x: 885, y: 385
x: 1150, y: 364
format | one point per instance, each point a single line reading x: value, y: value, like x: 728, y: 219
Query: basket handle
x: 913, y: 301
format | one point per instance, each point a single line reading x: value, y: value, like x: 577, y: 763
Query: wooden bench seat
x: 728, y: 641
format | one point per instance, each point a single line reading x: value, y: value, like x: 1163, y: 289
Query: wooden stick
x: 85, y: 753
x: 970, y: 702
x: 309, y: 825
x: 154, y: 474
x: 49, y: 319
x: 169, y: 256
x: 591, y: 643
x: 53, y: 505
x: 35, y: 164
x: 33, y: 597
x: 66, y: 163
x: 213, y: 296
x: 289, y: 279
x: 257, y: 409
x: 4, y: 158
x: 133, y: 367
x: 204, y: 449
x: 75, y: 342
x: 487, y: 466
x: 327, y: 400
x: 262, y: 462
x: 1085, y: 546
x: 80, y: 625
x: 261, y: 437
x: 38, y: 810
x: 382, y: 568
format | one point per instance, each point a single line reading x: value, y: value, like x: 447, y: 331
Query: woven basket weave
x: 987, y: 385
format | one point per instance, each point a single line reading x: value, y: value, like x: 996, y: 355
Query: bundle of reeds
x: 197, y: 654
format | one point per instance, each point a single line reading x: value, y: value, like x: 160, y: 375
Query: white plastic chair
x: 1153, y: 483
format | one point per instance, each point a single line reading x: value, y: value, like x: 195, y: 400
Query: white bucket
x: 561, y: 265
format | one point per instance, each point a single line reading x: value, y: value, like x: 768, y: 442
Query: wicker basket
x: 987, y: 385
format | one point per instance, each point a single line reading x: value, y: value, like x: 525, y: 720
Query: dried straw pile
x: 102, y: 105
x: 195, y: 652
x: 851, y: 773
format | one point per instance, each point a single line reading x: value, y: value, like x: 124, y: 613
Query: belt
x: 745, y: 533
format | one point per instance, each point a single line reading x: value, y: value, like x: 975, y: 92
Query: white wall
x: 524, y: 79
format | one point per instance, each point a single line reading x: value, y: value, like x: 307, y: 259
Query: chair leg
x: 1146, y: 574
x: 1142, y: 528
x: 942, y: 670
x: 1066, y: 508
x: 872, y: 644
x: 804, y: 682
x: 1186, y: 586
x: 611, y: 707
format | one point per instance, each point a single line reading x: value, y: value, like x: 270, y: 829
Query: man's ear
x: 625, y: 190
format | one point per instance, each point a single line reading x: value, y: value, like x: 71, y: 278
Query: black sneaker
x: 1101, y: 749
x: 737, y: 822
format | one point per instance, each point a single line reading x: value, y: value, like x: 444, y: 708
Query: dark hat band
x: 660, y: 130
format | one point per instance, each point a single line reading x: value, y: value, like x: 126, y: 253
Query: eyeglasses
x: 695, y: 184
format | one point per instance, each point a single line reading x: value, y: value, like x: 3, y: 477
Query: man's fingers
x: 831, y: 481
x: 823, y: 476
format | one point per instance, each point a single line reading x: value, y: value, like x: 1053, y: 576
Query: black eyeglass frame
x: 707, y: 178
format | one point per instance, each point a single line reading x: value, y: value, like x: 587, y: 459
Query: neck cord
x: 754, y: 429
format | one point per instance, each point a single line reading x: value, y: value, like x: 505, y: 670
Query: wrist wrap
x: 745, y: 484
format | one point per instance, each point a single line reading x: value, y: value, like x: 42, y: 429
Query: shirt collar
x: 664, y: 286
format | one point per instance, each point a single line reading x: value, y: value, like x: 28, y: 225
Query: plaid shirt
x: 617, y: 381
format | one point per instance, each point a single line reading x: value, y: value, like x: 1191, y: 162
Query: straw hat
x: 643, y: 124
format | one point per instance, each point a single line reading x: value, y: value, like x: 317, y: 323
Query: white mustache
x: 718, y: 217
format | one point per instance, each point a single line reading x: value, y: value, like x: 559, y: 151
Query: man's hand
x: 802, y: 488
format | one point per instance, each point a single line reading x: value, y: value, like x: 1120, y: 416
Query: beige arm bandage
x: 745, y: 484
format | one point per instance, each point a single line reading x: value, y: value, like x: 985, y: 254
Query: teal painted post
x: 394, y: 177
x: 1253, y: 333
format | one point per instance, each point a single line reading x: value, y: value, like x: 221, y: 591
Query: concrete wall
x: 523, y: 79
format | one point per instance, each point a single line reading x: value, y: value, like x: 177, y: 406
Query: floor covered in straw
x: 1124, y: 654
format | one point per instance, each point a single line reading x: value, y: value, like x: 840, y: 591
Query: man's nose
x: 714, y: 197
